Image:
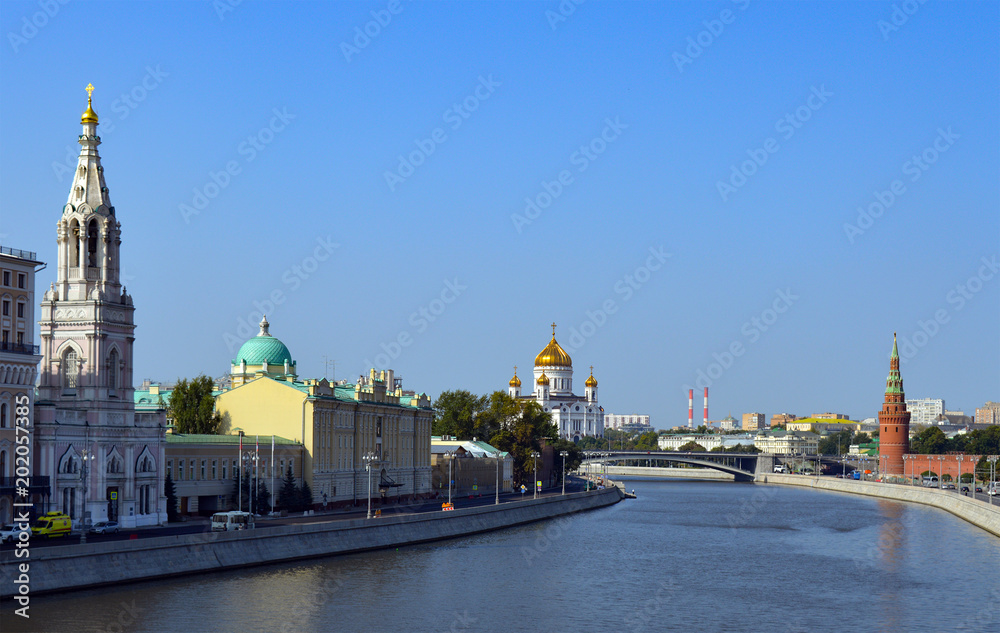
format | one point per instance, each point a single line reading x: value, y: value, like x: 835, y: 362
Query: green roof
x: 194, y: 438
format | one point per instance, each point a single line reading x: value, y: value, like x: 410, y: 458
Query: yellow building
x: 339, y: 424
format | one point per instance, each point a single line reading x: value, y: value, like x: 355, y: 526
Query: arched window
x: 113, y: 369
x: 3, y: 463
x: 92, y: 243
x: 71, y: 369
x: 3, y: 415
x: 74, y: 244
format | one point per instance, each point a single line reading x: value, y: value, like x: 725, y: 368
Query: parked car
x: 104, y: 527
x: 11, y: 533
x: 979, y: 488
x: 949, y: 486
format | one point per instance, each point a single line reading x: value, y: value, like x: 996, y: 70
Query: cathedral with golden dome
x: 575, y: 416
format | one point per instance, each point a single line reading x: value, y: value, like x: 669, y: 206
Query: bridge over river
x: 742, y: 466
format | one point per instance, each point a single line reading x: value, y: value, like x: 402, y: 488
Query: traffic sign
x: 114, y: 495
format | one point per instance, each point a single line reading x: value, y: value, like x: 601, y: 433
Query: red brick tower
x: 894, y: 419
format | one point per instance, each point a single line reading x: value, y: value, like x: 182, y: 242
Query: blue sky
x: 695, y: 170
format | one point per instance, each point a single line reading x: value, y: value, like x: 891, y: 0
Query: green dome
x: 264, y: 348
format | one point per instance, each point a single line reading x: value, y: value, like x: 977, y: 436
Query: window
x: 223, y: 469
x: 192, y: 471
x: 20, y: 280
x: 92, y: 243
x: 20, y: 338
x: 71, y: 369
x: 3, y: 416
x: 170, y: 468
x: 113, y: 369
x: 180, y: 471
x: 203, y: 469
x: 3, y: 462
x: 215, y: 466
x: 6, y: 307
x: 6, y: 277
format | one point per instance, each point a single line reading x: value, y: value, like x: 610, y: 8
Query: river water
x: 684, y: 556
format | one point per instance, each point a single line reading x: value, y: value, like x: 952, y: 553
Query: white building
x: 632, y: 422
x: 782, y: 442
x: 103, y: 460
x: 575, y: 416
x: 925, y: 411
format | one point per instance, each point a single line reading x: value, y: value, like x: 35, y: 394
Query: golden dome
x: 543, y: 380
x: 515, y: 381
x: 553, y: 354
x: 89, y: 116
x: 591, y: 382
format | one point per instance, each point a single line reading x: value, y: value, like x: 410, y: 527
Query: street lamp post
x: 450, y: 455
x: 534, y: 480
x: 85, y: 457
x: 497, y: 502
x: 564, y: 454
x: 960, y: 459
x: 369, y: 457
x: 992, y: 459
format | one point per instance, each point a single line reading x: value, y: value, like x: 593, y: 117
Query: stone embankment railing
x: 59, y: 568
x: 978, y: 513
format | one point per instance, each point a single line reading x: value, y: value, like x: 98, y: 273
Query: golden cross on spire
x: 515, y: 370
x: 90, y: 90
x: 553, y: 329
x: 591, y: 370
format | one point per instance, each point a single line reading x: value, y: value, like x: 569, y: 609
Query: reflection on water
x: 699, y: 556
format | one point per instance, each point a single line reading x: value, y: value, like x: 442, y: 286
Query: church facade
x: 552, y: 387
x: 103, y: 460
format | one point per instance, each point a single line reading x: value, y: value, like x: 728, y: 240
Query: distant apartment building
x: 754, y: 421
x: 787, y: 442
x: 18, y: 366
x: 925, y: 411
x: 989, y: 413
x: 781, y: 419
x: 705, y: 440
x: 633, y: 422
x: 830, y: 416
x: 823, y: 426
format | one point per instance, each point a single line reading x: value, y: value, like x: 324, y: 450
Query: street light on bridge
x: 563, y: 454
x: 534, y: 481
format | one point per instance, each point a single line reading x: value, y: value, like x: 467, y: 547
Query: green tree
x: 691, y: 447
x: 522, y: 435
x: 192, y: 407
x: 288, y: 498
x: 455, y: 413
x: 262, y: 502
x: 305, y: 494
x: 647, y: 442
x: 862, y: 438
x: 836, y: 443
x: 170, y: 492
x: 930, y: 441
x: 573, y: 458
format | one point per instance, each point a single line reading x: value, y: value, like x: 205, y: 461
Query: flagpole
x: 272, y: 472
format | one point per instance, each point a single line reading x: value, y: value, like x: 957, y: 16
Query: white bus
x: 234, y: 520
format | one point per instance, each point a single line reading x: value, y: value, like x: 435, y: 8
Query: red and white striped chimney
x: 690, y: 408
x: 706, y: 406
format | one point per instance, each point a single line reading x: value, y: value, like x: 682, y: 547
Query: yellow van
x: 51, y: 525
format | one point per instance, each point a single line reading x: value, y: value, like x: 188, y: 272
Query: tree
x: 930, y: 441
x: 288, y: 498
x: 192, y: 407
x: 455, y: 414
x: 262, y: 503
x: 691, y: 447
x: 862, y: 438
x: 574, y: 455
x: 170, y: 492
x: 647, y: 442
x: 305, y: 496
x: 521, y: 433
x: 835, y: 443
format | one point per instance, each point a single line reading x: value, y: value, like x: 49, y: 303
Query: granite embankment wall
x: 674, y: 473
x: 975, y: 512
x: 77, y: 566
